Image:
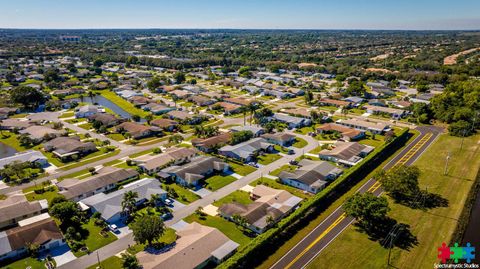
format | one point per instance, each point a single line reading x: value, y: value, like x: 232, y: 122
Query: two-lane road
x: 322, y: 235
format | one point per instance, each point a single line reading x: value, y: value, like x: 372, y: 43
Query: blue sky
x: 272, y: 14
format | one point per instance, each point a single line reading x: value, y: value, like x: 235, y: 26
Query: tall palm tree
x: 129, y: 201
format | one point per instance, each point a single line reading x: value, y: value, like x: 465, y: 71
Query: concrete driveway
x: 123, y: 229
x: 62, y: 255
x: 202, y: 192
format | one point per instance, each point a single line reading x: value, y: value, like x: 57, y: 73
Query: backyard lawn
x: 230, y: 229
x: 430, y: 227
x: 124, y: 104
x: 268, y: 158
x: 95, y: 240
x: 216, y: 182
x: 238, y: 196
x: 274, y: 184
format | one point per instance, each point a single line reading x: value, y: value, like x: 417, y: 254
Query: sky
x: 242, y: 14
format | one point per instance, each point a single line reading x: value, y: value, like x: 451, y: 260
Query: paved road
x: 322, y: 235
x: 121, y: 244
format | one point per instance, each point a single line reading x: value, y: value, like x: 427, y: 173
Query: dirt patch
x: 452, y: 59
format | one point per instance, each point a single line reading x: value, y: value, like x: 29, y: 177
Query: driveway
x: 202, y: 192
x: 176, y: 205
x: 62, y: 255
x: 123, y: 229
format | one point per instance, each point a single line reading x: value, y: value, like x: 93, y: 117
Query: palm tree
x: 129, y: 261
x: 244, y: 110
x: 129, y: 201
x: 154, y: 198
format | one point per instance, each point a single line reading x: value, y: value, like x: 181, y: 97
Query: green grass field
x: 300, y: 143
x: 124, y: 104
x: 241, y: 169
x: 286, y: 167
x: 94, y: 240
x: 25, y: 263
x: 216, y: 182
x: 268, y: 158
x: 184, y: 196
x: 228, y: 228
x: 274, y: 184
x: 238, y: 196
x: 431, y: 227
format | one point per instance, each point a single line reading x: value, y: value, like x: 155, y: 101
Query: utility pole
x: 98, y: 261
x: 446, y: 164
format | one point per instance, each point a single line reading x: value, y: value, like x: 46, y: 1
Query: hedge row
x: 269, y: 241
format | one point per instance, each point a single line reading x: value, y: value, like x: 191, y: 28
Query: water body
x: 6, y: 151
x: 100, y: 100
x: 472, y: 233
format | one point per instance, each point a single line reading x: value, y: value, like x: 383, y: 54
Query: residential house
x: 184, y: 117
x: 269, y: 206
x: 31, y: 156
x: 66, y: 146
x: 229, y: 108
x: 301, y: 112
x: 281, y: 139
x: 139, y: 101
x: 201, y: 100
x: 15, y: 124
x: 15, y: 242
x: 348, y: 133
x: 127, y: 94
x: 211, y: 143
x: 107, y: 120
x: 173, y: 156
x: 346, y: 153
x: 181, y: 94
x: 354, y: 100
x: 240, y: 101
x: 248, y: 150
x: 193, y: 173
x: 395, y: 113
x: 5, y: 112
x: 165, y: 124
x: 110, y: 205
x: 256, y: 131
x: 334, y: 102
x: 38, y: 132
x: 157, y: 109
x: 291, y: 121
x: 196, y: 247
x: 15, y: 208
x: 104, y: 180
x: 373, y: 127
x: 311, y: 176
x: 137, y: 130
x: 88, y: 110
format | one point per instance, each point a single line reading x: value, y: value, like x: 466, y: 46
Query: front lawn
x: 10, y: 139
x: 274, y: 184
x: 241, y: 169
x: 91, y: 160
x: 238, y: 196
x: 67, y: 114
x: 286, y: 167
x: 216, y: 182
x: 184, y: 195
x: 116, y: 136
x: 49, y: 194
x: 230, y: 229
x: 268, y: 158
x: 86, y: 126
x: 95, y: 240
x: 28, y: 262
x: 300, y: 143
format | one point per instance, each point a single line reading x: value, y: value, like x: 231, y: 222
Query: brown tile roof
x: 196, y: 244
x: 17, y: 206
x: 36, y: 233
x: 220, y: 139
x: 239, y: 101
x: 346, y: 131
x: 228, y: 106
x: 74, y: 187
x: 163, y: 123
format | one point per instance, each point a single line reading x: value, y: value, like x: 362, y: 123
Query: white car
x: 168, y: 202
x: 113, y: 228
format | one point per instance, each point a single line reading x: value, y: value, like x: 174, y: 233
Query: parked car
x: 253, y: 164
x: 169, y: 202
x: 113, y: 228
x: 293, y: 162
x: 291, y: 152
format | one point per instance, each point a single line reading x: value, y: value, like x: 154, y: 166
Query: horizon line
x: 246, y: 29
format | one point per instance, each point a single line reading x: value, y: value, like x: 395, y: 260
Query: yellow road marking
x: 405, y: 158
x: 333, y: 225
